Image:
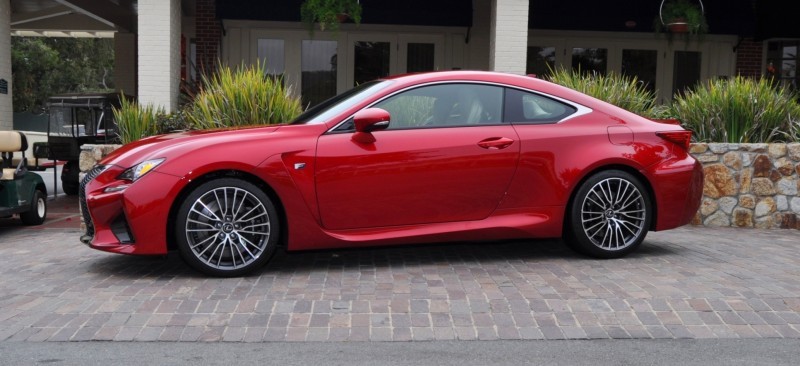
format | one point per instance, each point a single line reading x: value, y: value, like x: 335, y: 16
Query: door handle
x: 496, y: 143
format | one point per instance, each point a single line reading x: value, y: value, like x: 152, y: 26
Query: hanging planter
x: 681, y: 17
x: 329, y: 14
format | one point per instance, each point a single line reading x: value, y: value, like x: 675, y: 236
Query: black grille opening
x: 87, y: 219
x: 121, y: 230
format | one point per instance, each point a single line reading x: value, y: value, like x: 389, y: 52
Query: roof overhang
x: 72, y: 18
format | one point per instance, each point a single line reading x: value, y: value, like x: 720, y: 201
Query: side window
x: 445, y: 105
x: 527, y: 107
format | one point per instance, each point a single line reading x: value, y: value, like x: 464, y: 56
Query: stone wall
x: 750, y: 185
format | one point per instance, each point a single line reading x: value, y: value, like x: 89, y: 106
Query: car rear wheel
x: 609, y: 216
x: 227, y: 227
x: 38, y: 210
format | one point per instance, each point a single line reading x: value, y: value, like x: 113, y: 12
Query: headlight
x: 137, y: 171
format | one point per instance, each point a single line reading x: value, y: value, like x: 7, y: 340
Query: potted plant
x: 329, y: 13
x: 681, y: 16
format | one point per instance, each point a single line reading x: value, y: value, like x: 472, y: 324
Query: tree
x: 43, y: 67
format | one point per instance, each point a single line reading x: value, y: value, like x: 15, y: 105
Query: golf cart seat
x: 11, y: 142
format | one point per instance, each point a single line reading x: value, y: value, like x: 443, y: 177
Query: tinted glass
x: 371, y: 61
x: 420, y: 57
x: 318, y: 68
x: 642, y: 64
x: 445, y: 105
x: 322, y: 112
x: 540, y: 60
x: 525, y: 107
x: 590, y: 60
x: 686, y: 72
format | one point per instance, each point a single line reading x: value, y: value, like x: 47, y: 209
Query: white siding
x: 508, y: 37
x: 159, y: 52
x: 6, y: 115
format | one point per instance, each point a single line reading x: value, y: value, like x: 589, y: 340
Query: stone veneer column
x: 508, y: 42
x: 159, y: 24
x: 6, y: 106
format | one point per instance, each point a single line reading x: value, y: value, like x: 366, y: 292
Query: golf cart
x: 77, y: 119
x: 21, y: 192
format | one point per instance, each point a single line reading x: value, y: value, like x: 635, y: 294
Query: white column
x: 6, y: 105
x: 508, y: 36
x: 159, y: 24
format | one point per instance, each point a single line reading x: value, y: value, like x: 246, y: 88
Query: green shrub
x: 739, y: 110
x: 135, y: 122
x: 242, y: 97
x: 620, y: 90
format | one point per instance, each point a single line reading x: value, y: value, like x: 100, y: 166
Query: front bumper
x: 125, y: 217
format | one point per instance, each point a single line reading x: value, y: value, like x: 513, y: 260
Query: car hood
x: 166, y: 146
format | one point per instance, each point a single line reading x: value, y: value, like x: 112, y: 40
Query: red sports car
x: 445, y: 156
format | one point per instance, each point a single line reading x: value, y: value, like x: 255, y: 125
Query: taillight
x: 682, y: 138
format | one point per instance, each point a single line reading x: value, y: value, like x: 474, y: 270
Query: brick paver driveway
x: 686, y: 283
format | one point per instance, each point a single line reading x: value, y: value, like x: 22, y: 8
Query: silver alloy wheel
x: 613, y: 214
x: 227, y: 228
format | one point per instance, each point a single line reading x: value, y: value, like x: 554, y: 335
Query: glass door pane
x: 371, y: 61
x: 642, y: 64
x: 420, y: 57
x: 590, y: 60
x: 540, y: 60
x: 271, y: 54
x: 318, y: 67
x: 686, y: 71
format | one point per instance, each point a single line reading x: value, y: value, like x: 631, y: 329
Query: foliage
x: 739, y: 110
x: 241, y: 97
x: 623, y: 91
x: 135, y: 121
x: 674, y: 11
x: 327, y: 13
x: 43, y: 67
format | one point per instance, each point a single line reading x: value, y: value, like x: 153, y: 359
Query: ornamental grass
x: 739, y: 110
x: 134, y: 121
x: 243, y: 96
x: 620, y: 90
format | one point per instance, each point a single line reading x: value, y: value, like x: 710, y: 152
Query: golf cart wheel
x: 38, y: 210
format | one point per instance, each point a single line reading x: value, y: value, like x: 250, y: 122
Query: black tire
x: 38, y: 210
x: 609, y: 216
x: 227, y: 227
x: 70, y: 189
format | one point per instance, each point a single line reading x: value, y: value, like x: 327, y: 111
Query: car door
x: 446, y: 156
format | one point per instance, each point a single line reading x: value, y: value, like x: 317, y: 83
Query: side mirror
x: 368, y: 120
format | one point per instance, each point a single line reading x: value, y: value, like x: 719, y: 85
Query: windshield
x: 322, y: 112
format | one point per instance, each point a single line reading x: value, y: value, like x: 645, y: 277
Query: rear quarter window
x: 526, y: 107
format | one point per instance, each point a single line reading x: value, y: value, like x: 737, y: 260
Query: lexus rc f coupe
x: 435, y: 157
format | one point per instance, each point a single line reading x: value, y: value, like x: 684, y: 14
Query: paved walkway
x: 685, y: 283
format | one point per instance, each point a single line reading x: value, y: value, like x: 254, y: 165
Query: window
x: 371, y: 61
x: 643, y: 65
x: 686, y: 71
x: 528, y: 107
x: 318, y: 67
x: 782, y: 60
x: 540, y: 60
x: 420, y: 57
x: 445, y: 105
x: 271, y: 54
x: 590, y: 60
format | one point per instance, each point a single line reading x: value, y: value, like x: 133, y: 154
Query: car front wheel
x: 227, y: 227
x: 610, y: 215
